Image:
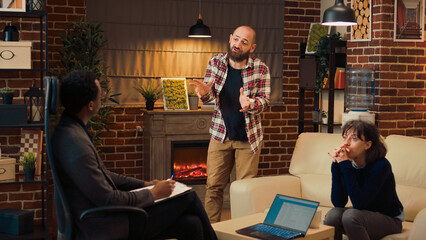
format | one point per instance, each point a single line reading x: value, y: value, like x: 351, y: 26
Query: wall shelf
x: 307, y: 75
x: 40, y: 231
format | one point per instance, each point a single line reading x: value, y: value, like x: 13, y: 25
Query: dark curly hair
x: 77, y: 89
x: 368, y: 132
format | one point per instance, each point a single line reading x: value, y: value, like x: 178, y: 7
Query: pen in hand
x: 171, y: 176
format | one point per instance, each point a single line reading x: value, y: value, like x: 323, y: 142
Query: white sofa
x: 310, y: 178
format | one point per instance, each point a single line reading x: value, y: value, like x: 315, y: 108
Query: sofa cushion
x: 412, y: 198
x: 254, y: 195
x: 407, y: 157
x: 406, y: 227
x: 316, y: 187
x: 310, y: 155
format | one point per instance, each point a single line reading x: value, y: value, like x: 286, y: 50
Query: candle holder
x: 36, y: 5
x: 34, y: 99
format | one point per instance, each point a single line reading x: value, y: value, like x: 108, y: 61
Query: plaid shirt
x: 256, y: 85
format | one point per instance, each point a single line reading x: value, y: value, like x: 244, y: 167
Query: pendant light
x: 199, y: 30
x: 339, y: 15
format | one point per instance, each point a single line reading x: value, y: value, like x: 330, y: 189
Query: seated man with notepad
x: 87, y: 183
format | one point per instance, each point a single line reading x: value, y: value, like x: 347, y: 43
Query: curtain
x: 147, y: 40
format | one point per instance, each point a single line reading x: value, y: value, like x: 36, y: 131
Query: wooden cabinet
x: 307, y: 75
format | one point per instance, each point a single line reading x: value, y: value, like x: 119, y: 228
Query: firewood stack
x: 362, y: 13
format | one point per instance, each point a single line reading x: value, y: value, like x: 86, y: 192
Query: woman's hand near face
x: 340, y: 153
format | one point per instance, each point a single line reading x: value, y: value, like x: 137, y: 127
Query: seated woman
x: 361, y: 171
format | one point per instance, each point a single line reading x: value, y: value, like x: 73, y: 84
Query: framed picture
x: 32, y: 141
x: 409, y: 23
x: 175, y: 94
x: 363, y: 12
x: 12, y: 6
x: 316, y: 31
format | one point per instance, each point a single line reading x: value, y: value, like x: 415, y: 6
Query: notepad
x: 179, y: 189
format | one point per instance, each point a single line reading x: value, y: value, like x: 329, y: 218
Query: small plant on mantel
x: 192, y: 93
x: 321, y: 57
x: 149, y: 92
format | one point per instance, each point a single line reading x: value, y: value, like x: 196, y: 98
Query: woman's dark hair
x: 368, y: 132
x: 77, y: 89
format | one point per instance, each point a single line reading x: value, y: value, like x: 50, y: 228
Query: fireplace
x: 169, y: 135
x: 189, y: 160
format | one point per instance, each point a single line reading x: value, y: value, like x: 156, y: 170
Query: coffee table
x: 226, y: 230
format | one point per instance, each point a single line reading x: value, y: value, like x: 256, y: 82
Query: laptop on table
x: 288, y: 218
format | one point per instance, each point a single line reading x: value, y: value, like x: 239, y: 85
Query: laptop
x: 288, y: 218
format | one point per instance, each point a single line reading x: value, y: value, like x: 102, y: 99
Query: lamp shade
x: 199, y: 30
x: 339, y: 15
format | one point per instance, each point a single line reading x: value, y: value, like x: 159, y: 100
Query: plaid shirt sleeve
x: 257, y: 86
x: 216, y: 71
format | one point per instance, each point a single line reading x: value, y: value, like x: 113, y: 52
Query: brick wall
x: 122, y: 146
x: 400, y: 75
x: 280, y: 123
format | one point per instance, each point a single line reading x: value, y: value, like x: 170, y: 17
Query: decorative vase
x: 29, y: 174
x: 193, y: 103
x: 149, y: 105
x: 7, y: 98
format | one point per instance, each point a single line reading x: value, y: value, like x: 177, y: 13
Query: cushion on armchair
x: 310, y: 154
x: 407, y: 157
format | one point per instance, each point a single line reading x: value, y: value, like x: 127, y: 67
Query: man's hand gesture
x: 244, y: 101
x: 200, y: 87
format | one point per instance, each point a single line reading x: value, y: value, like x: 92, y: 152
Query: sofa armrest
x: 254, y: 195
x: 418, y: 230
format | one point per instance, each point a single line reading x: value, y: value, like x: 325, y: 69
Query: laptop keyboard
x: 274, y: 231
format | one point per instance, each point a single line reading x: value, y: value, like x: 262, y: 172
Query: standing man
x: 240, y: 86
x: 88, y: 184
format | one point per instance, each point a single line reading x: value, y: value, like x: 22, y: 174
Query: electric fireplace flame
x: 190, y: 161
x: 190, y: 172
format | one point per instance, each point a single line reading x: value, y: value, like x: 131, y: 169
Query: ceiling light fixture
x: 339, y: 15
x: 199, y: 30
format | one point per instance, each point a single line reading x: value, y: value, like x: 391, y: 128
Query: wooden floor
x: 226, y: 211
x: 226, y: 214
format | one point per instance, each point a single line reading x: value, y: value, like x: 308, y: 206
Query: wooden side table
x: 226, y: 230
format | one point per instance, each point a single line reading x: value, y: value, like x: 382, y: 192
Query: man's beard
x: 238, y: 57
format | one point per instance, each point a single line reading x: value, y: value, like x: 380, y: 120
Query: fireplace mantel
x: 161, y: 128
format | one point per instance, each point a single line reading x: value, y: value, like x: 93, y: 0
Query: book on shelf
x: 339, y: 79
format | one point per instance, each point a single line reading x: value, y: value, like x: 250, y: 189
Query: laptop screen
x: 291, y: 213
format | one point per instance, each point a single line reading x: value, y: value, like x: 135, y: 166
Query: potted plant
x: 28, y: 162
x: 150, y: 93
x: 321, y: 57
x: 82, y: 42
x: 7, y: 95
x: 193, y: 100
x: 324, y: 117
